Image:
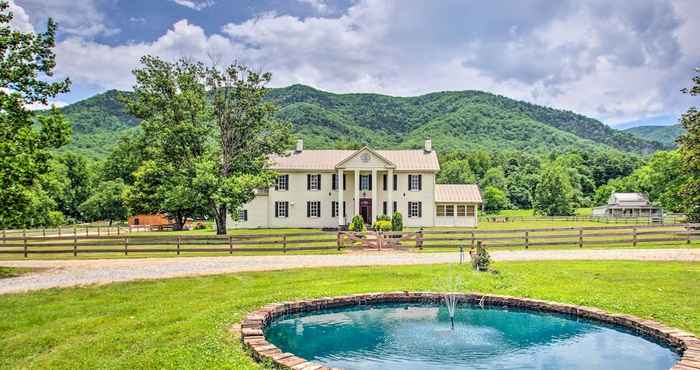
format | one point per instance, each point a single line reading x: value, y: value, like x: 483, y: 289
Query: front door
x: 366, y: 210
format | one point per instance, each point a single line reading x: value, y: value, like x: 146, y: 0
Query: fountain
x: 453, y: 284
x: 451, y: 303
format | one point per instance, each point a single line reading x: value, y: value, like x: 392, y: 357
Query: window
x: 415, y: 209
x: 396, y: 183
x: 385, y: 208
x: 243, y: 215
x: 471, y: 211
x: 395, y: 207
x: 281, y: 209
x: 282, y: 183
x: 313, y: 209
x: 313, y: 182
x: 334, y: 209
x: 365, y: 182
x: 461, y: 211
x: 415, y: 182
x: 440, y: 210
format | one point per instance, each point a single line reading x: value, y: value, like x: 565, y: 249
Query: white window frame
x: 471, y: 211
x: 364, y: 182
x: 461, y: 210
x: 315, y: 182
x: 414, y: 206
x: 282, y: 206
x: 449, y: 210
x: 314, y: 209
x: 243, y: 215
x: 440, y: 210
x: 282, y: 179
x: 414, y: 181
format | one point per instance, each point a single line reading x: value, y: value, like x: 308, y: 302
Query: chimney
x: 428, y: 145
x: 300, y: 146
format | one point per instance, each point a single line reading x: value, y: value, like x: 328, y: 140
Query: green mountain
x: 662, y: 134
x: 455, y: 120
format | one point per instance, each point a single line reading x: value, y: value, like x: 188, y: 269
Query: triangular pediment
x: 365, y: 158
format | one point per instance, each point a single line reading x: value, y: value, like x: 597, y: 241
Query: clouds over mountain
x: 613, y: 60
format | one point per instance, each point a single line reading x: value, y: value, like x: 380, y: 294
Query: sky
x: 618, y: 61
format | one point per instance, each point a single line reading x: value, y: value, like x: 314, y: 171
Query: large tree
x: 106, y: 202
x: 247, y: 134
x: 689, y: 145
x: 554, y: 193
x: 26, y: 68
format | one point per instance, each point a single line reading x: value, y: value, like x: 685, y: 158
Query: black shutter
x: 420, y: 208
x: 384, y: 186
x: 343, y: 181
x: 384, y: 206
x: 319, y: 182
x: 420, y: 182
x: 394, y: 206
x: 334, y: 182
x: 308, y: 209
x: 396, y: 182
x: 277, y: 209
x: 319, y: 207
x: 370, y: 181
x: 344, y: 214
x: 410, y: 182
x: 277, y: 183
x: 308, y: 182
x: 333, y: 212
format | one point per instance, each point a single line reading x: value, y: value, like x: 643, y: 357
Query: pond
x: 419, y: 336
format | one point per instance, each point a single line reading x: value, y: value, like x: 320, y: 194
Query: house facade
x: 628, y: 205
x: 327, y: 188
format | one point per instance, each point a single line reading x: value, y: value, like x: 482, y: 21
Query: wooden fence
x: 589, y: 236
x: 156, y: 243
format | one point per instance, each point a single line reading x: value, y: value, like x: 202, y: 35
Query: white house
x: 628, y: 205
x: 326, y: 188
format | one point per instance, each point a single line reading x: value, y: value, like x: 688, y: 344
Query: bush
x: 55, y: 218
x: 382, y: 225
x: 383, y: 218
x: 357, y: 224
x: 396, y: 222
x: 480, y: 259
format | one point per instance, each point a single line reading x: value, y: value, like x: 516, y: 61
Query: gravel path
x: 67, y: 273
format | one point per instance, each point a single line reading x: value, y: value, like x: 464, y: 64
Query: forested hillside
x: 662, y: 134
x: 462, y: 120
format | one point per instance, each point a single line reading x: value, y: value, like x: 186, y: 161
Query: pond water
x: 410, y: 336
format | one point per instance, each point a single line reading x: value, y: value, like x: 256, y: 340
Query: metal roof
x: 328, y: 159
x: 466, y: 193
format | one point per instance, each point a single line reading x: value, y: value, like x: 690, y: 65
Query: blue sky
x: 618, y: 61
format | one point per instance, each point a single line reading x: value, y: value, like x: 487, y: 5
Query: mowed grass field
x: 184, y: 323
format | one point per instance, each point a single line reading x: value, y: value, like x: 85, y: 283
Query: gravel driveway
x: 67, y: 273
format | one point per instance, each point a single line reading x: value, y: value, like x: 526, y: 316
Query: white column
x: 390, y: 192
x: 339, y: 188
x: 357, y: 193
x: 374, y: 195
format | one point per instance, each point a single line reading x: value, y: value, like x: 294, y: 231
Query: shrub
x: 480, y: 259
x: 357, y: 224
x: 397, y: 222
x: 55, y: 218
x: 382, y: 225
x: 383, y: 218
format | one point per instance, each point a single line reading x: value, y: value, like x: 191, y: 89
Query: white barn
x: 326, y: 188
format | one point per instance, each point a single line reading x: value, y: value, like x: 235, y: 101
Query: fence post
x: 98, y: 230
x: 284, y: 244
x: 43, y: 231
x: 473, y: 239
x: 24, y: 237
x: 87, y: 231
x: 379, y: 241
x: 230, y: 244
x: 126, y: 246
x: 75, y: 245
x: 689, y: 230
x: 419, y: 239
x: 527, y: 240
x: 634, y: 236
x: 339, y: 240
x: 4, y: 235
x: 178, y: 245
x: 118, y: 229
x: 580, y: 238
x: 59, y: 231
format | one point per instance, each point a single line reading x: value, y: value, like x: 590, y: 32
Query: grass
x: 183, y: 323
x: 9, y: 272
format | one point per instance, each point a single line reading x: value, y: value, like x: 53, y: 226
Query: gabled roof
x: 387, y: 162
x: 328, y: 159
x: 628, y: 198
x: 460, y: 193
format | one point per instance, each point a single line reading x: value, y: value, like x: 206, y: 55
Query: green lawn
x: 183, y: 323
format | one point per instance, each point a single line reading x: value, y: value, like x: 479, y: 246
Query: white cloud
x: 20, y: 19
x: 597, y: 58
x: 319, y: 6
x: 79, y: 18
x: 195, y: 4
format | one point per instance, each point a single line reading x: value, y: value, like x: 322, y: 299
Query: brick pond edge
x: 254, y: 341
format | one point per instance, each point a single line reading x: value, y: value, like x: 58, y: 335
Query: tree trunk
x: 220, y: 217
x: 179, y: 222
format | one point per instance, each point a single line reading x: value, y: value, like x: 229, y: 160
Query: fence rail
x: 668, y: 219
x: 76, y: 244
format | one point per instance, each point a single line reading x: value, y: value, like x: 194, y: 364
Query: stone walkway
x: 67, y: 273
